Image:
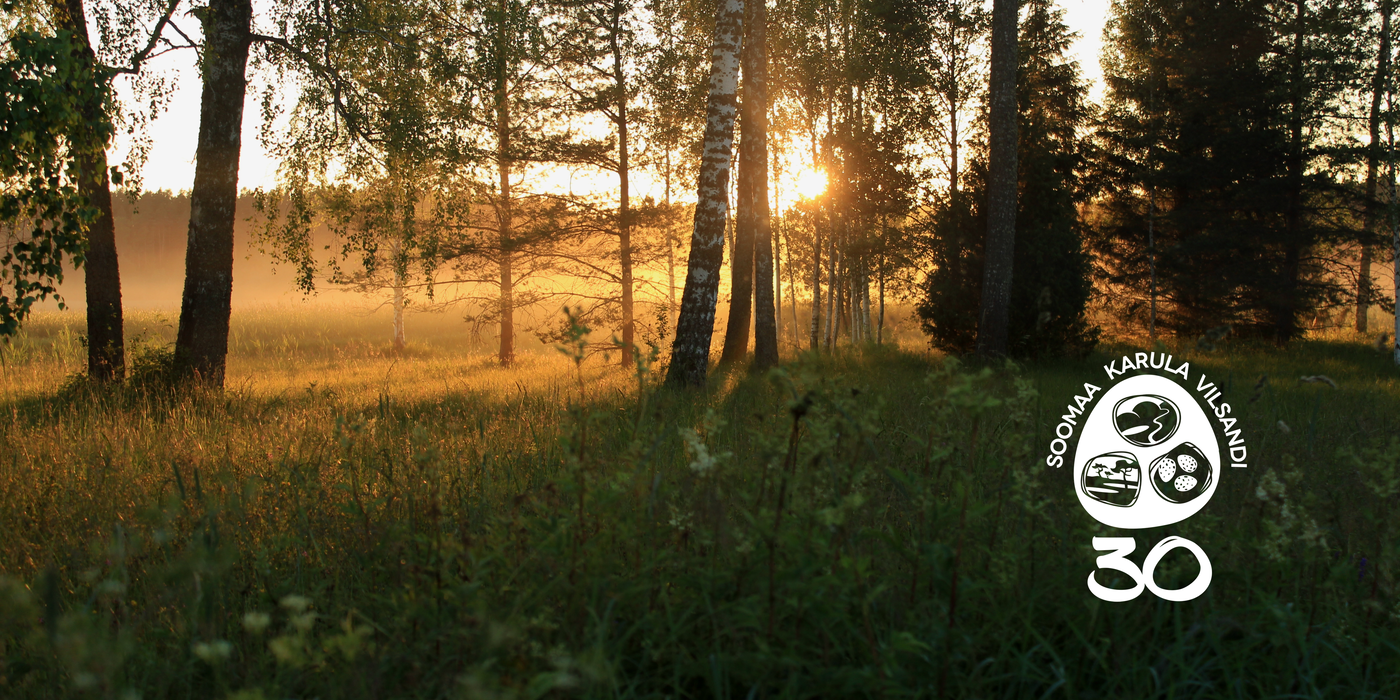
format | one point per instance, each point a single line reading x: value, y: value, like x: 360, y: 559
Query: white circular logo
x: 1147, y: 455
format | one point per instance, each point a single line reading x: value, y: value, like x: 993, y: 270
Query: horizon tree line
x: 1218, y: 185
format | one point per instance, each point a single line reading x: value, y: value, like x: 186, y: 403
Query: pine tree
x: 1212, y: 140
x: 1050, y: 291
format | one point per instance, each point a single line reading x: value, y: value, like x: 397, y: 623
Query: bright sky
x: 171, y: 163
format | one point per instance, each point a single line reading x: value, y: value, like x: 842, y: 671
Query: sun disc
x: 809, y: 183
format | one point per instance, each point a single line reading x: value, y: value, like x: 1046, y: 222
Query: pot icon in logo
x: 1146, y: 420
x: 1146, y: 428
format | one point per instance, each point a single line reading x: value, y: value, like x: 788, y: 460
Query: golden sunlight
x: 808, y: 182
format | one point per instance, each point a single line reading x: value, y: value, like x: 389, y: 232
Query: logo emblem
x: 1146, y: 421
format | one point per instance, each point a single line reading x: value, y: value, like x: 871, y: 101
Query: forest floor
x: 345, y: 521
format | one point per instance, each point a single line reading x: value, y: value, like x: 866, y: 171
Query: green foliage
x: 45, y: 85
x: 1216, y: 136
x: 1050, y: 283
x: 856, y: 525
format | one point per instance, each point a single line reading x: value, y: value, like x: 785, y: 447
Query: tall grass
x: 345, y: 522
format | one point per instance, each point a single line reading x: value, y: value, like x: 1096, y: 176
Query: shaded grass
x: 874, y: 523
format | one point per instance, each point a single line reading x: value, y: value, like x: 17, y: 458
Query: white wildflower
x: 256, y: 622
x: 296, y: 603
x: 213, y: 652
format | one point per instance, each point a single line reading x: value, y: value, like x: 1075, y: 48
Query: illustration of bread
x: 1112, y: 478
x: 1181, y: 475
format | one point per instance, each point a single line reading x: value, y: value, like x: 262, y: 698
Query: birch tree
x: 201, y: 342
x: 377, y: 126
x: 64, y: 142
x: 741, y: 259
x: 690, y: 351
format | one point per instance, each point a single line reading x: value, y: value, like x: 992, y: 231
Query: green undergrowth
x: 876, y: 523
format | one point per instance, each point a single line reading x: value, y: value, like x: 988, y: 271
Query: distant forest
x: 1236, y: 177
x: 151, y: 236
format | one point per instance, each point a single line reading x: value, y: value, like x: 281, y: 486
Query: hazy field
x: 346, y: 522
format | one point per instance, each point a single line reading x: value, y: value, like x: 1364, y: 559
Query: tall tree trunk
x: 505, y: 223
x: 833, y: 243
x: 865, y: 326
x: 1286, y: 301
x: 741, y: 261
x: 815, y: 339
x: 201, y: 343
x: 624, y: 205
x: 755, y: 155
x: 1378, y: 83
x: 1394, y: 218
x: 953, y: 148
x: 833, y: 259
x: 400, y: 337
x: 880, y: 329
x: 1000, y: 247
x: 624, y: 230
x: 792, y: 289
x: 690, y: 352
x: 776, y: 237
x: 776, y: 234
x: 671, y: 243
x: 106, y: 356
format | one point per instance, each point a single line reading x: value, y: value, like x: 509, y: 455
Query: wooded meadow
x: 695, y: 446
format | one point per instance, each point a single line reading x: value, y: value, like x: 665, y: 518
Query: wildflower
x: 1269, y: 486
x: 296, y: 603
x: 213, y: 652
x: 304, y: 621
x: 256, y: 622
x: 701, y: 460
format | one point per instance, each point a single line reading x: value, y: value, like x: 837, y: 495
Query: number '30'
x: 1119, y: 548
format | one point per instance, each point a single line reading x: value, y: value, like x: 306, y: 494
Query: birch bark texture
x: 201, y: 343
x: 690, y: 351
x: 1001, y: 186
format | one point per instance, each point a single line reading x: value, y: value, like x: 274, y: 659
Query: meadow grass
x: 347, y: 522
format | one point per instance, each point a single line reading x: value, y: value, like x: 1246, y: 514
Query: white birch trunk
x: 690, y: 351
x: 400, y: 339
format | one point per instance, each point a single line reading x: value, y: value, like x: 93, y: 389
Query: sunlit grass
x: 462, y: 529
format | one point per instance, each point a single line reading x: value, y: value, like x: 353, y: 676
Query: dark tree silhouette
x: 753, y: 161
x: 1379, y: 81
x: 106, y: 344
x: 201, y: 343
x: 1001, y: 184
